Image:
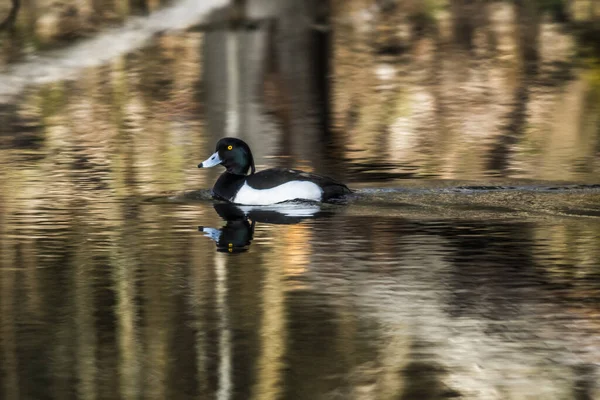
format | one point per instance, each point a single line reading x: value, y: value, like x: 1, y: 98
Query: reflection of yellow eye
x: 229, y: 147
x: 230, y: 250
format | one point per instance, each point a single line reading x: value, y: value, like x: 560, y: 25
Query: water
x: 121, y: 278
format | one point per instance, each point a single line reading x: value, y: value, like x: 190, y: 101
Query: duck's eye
x: 229, y: 147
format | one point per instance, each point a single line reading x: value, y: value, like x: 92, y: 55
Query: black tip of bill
x: 200, y: 165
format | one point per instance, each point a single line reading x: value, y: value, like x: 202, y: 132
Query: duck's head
x: 234, y: 154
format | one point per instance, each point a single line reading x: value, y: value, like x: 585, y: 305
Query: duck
x: 241, y: 184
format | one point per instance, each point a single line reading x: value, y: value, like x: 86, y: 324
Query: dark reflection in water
x: 234, y: 237
x: 477, y: 288
x: 238, y: 232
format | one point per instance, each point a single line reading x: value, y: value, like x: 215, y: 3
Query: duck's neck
x: 228, y: 185
x: 237, y: 170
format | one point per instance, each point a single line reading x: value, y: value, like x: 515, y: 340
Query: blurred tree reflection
x: 8, y: 23
x: 428, y: 103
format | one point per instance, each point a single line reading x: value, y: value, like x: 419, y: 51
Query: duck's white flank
x: 288, y: 191
x: 288, y: 210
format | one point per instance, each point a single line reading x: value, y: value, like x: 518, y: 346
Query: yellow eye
x: 229, y: 147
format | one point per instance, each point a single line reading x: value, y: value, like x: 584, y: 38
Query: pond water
x: 121, y: 278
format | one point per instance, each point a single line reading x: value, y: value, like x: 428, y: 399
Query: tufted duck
x: 273, y: 185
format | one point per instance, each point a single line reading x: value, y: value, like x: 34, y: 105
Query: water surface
x: 458, y: 282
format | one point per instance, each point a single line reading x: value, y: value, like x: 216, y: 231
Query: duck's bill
x: 211, y: 161
x: 213, y: 233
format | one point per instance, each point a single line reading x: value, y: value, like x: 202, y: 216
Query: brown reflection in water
x: 10, y: 363
x: 410, y: 94
x: 139, y: 305
x: 409, y: 99
x: 273, y: 337
x: 407, y: 292
x: 71, y: 241
x: 106, y: 295
x: 126, y: 299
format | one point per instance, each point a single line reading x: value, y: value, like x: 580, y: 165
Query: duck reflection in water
x: 237, y: 234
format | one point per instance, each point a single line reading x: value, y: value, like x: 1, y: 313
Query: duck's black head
x: 234, y: 154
